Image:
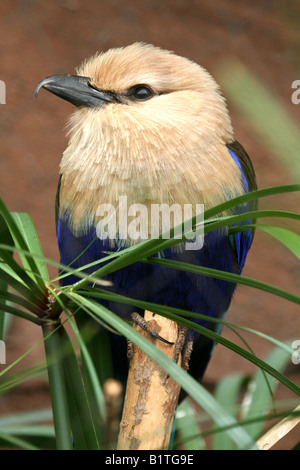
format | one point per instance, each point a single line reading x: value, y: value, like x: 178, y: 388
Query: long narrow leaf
x: 6, y: 239
x: 82, y: 425
x: 251, y: 196
x: 88, y: 369
x: 19, y: 275
x: 27, y: 228
x: 57, y: 387
x: 242, y: 352
x: 259, y: 396
x: 26, y: 417
x: 152, y: 246
x: 165, y: 310
x: 188, y: 427
x: 13, y: 380
x: 169, y: 313
x: 16, y: 442
x: 289, y: 239
x: 19, y: 313
x: 16, y: 299
x: 226, y: 276
x: 20, y: 242
x: 186, y: 381
x: 227, y: 394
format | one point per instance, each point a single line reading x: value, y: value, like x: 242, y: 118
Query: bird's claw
x: 129, y: 349
x: 187, y: 354
x: 180, y: 342
x: 182, y: 345
x: 145, y: 325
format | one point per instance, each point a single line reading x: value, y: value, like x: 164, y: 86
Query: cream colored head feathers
x: 166, y: 149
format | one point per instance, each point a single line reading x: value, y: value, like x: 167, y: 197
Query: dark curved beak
x: 77, y: 90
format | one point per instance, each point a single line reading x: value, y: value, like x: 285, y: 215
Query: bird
x: 153, y: 127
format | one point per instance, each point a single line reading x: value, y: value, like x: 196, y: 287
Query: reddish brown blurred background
x: 39, y: 38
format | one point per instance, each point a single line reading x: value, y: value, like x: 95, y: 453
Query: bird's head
x: 144, y: 81
x: 149, y: 124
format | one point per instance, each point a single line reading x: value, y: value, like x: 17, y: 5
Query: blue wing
x: 242, y: 240
x: 240, y: 244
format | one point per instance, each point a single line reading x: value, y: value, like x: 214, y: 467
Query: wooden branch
x: 151, y: 396
x: 278, y: 431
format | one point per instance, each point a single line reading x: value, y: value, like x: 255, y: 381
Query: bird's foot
x: 187, y: 354
x: 182, y: 334
x: 183, y: 346
x: 129, y: 349
x: 145, y: 325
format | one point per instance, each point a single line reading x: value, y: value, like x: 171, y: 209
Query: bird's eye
x: 141, y: 92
